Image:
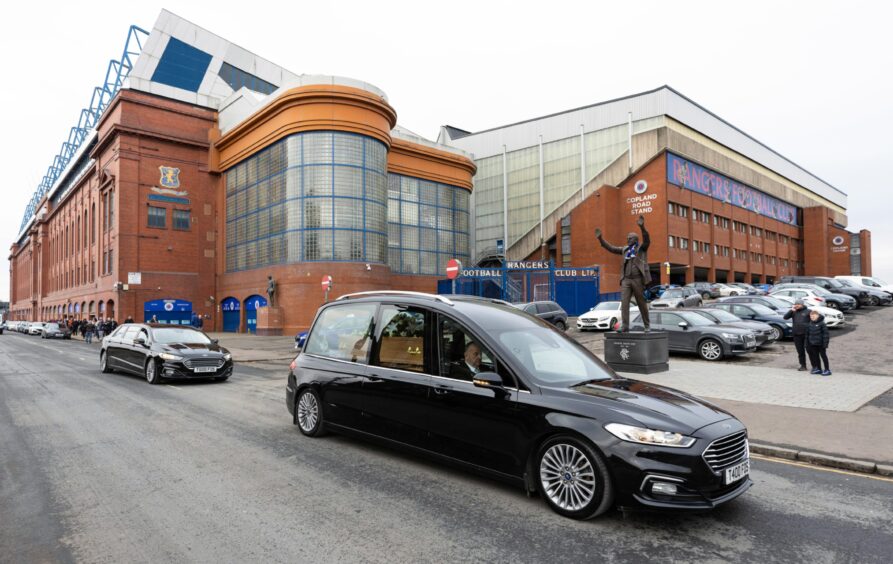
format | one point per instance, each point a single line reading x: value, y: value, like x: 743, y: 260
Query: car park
x: 817, y: 295
x: 726, y: 290
x: 772, y: 302
x: 688, y: 331
x: 548, y: 311
x: 869, y: 281
x: 679, y: 297
x: 833, y: 317
x: 765, y: 334
x: 748, y: 289
x: 707, y: 290
x: 539, y: 410
x: 755, y: 312
x: 603, y: 316
x: 158, y: 351
x: 55, y: 331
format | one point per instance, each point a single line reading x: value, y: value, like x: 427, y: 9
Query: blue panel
x: 175, y: 312
x: 182, y: 66
x: 169, y: 199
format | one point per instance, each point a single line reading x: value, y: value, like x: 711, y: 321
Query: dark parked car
x: 757, y: 312
x: 547, y: 311
x: 876, y: 296
x: 708, y: 290
x: 159, y: 351
x: 829, y: 285
x: 780, y: 306
x: 55, y: 331
x: 678, y: 297
x: 656, y: 291
x: 688, y: 331
x: 765, y: 333
x: 480, y: 384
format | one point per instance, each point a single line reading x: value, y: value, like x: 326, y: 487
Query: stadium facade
x: 201, y: 169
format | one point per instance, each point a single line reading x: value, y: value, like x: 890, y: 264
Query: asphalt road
x: 106, y: 468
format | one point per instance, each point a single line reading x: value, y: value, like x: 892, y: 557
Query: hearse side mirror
x: 140, y: 340
x: 683, y: 324
x: 215, y: 341
x: 491, y: 381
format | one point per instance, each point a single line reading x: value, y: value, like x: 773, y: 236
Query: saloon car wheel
x: 574, y: 478
x: 710, y: 349
x: 561, y: 325
x: 308, y: 414
x: 152, y: 376
x: 104, y: 363
x: 873, y: 300
x: 777, y: 333
x: 705, y: 295
x: 832, y: 305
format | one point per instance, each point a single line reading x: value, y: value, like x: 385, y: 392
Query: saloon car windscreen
x: 550, y: 357
x: 184, y: 336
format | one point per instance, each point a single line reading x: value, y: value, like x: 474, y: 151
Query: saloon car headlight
x: 789, y: 323
x: 649, y: 436
x: 168, y: 356
x: 731, y: 336
x: 227, y: 356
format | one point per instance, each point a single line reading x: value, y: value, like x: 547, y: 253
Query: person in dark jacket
x: 817, y: 339
x: 800, y: 316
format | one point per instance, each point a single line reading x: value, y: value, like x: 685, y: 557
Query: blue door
x: 232, y: 313
x: 251, y: 305
x: 174, y: 312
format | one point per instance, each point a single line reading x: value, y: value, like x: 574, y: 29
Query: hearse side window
x: 458, y: 347
x: 129, y: 334
x: 401, y: 343
x: 343, y: 332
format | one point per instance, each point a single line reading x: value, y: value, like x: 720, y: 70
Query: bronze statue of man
x: 634, y: 275
x: 271, y: 290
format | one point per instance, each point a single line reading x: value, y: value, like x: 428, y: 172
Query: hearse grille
x: 196, y: 362
x: 726, y: 451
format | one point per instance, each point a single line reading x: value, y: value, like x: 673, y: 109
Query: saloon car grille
x: 750, y: 341
x: 196, y: 362
x: 726, y: 451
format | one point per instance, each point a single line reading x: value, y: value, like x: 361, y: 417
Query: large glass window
x: 343, y: 333
x: 181, y: 220
x: 427, y: 225
x: 318, y: 196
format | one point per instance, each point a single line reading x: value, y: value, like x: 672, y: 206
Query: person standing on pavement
x: 817, y: 339
x: 800, y: 316
x: 88, y: 335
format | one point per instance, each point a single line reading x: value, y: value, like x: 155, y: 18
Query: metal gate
x: 232, y: 315
x: 575, y: 289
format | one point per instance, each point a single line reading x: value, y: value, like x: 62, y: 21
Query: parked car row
x: 45, y: 330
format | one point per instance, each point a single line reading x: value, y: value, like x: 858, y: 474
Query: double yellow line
x: 822, y: 468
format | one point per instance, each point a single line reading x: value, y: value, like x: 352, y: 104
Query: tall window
x: 93, y: 224
x: 181, y: 220
x: 157, y: 217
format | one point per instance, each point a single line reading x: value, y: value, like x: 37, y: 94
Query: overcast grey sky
x: 810, y: 79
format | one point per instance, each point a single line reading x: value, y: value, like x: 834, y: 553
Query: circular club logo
x: 641, y: 187
x: 168, y: 306
x: 838, y: 241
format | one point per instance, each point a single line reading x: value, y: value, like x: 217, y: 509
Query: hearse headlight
x: 227, y: 356
x: 168, y: 356
x: 649, y: 436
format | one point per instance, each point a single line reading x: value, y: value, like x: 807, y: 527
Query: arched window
x: 93, y: 224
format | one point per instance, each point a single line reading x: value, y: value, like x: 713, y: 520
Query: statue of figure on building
x: 634, y: 274
x: 271, y: 290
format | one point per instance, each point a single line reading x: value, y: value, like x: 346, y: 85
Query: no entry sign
x: 326, y: 282
x: 453, y: 268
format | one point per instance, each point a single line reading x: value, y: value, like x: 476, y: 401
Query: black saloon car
x: 689, y: 332
x: 159, y: 351
x: 546, y: 310
x: 758, y: 312
x: 483, y: 385
x: 764, y: 333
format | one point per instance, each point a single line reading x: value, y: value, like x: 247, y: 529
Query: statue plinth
x: 635, y: 351
x: 269, y: 321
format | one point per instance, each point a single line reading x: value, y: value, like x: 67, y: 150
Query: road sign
x: 326, y: 282
x: 453, y: 268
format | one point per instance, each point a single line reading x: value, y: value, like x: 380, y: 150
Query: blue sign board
x: 704, y: 181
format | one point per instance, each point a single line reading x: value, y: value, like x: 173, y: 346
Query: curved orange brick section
x: 421, y: 161
x: 309, y: 108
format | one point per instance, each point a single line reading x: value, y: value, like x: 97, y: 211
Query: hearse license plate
x: 737, y: 472
x: 214, y: 369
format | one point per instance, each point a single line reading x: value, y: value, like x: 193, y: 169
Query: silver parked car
x: 679, y: 297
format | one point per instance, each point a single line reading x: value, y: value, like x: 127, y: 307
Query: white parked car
x: 602, y: 316
x: 36, y: 328
x: 725, y: 290
x: 833, y: 317
x: 869, y: 281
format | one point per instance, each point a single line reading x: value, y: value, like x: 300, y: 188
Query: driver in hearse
x: 470, y: 364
